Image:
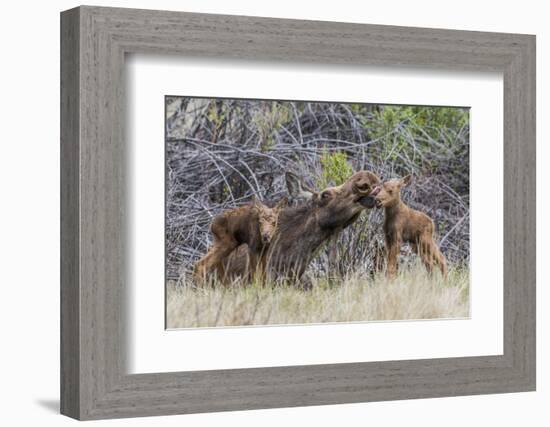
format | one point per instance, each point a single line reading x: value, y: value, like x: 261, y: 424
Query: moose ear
x: 256, y: 204
x: 406, y: 180
x: 295, y: 187
x: 281, y: 204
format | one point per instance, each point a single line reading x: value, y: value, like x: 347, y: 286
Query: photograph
x: 305, y: 212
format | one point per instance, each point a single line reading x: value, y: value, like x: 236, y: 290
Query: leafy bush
x: 335, y: 169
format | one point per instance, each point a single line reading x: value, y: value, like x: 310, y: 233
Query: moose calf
x: 404, y: 224
x: 250, y: 226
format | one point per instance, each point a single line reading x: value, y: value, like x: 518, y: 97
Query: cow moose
x: 402, y: 224
x: 322, y: 215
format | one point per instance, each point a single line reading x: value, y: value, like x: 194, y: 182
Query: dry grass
x: 413, y: 295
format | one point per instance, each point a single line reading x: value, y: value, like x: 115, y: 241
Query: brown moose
x: 403, y: 224
x: 321, y: 215
x: 249, y: 229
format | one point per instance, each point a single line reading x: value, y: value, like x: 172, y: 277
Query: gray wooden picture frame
x: 94, y: 382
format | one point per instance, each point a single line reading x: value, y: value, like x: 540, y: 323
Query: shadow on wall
x: 52, y: 405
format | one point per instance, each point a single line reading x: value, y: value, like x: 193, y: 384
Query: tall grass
x: 414, y: 294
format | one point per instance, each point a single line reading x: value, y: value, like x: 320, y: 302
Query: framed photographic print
x: 261, y: 213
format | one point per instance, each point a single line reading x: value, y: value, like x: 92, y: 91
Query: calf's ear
x: 256, y: 204
x: 406, y: 180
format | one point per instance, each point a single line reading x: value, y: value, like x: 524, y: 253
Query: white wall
x: 29, y: 226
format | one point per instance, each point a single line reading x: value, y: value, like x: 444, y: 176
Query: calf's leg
x: 235, y: 265
x: 431, y: 255
x: 393, y: 246
x: 223, y: 245
x: 425, y: 251
x: 440, y: 260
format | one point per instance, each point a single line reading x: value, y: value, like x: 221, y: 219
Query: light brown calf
x: 403, y: 224
x: 249, y: 228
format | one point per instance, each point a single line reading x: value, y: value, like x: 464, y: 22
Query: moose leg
x: 431, y: 255
x: 253, y: 265
x: 223, y: 245
x: 439, y: 259
x: 258, y: 266
x: 207, y: 263
x: 378, y: 258
x: 199, y: 270
x: 393, y: 246
x: 262, y: 267
x: 425, y: 252
x: 333, y: 258
x: 235, y: 265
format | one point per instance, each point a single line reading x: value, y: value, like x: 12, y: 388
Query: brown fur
x: 249, y: 228
x: 406, y: 225
x: 303, y: 229
x: 236, y: 266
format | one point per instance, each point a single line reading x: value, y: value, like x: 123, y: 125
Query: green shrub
x: 335, y: 168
